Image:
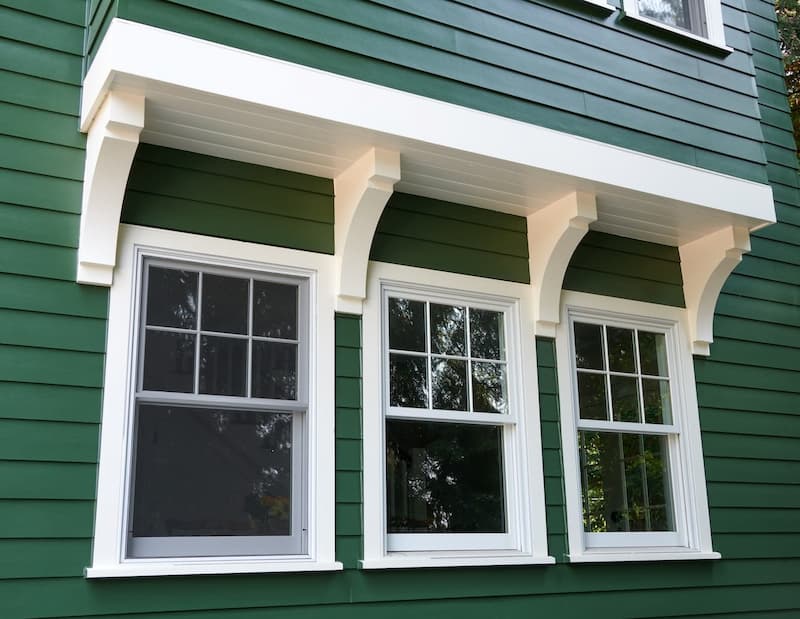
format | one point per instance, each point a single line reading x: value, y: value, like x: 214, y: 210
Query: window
x: 633, y: 466
x: 220, y: 407
x: 448, y: 418
x: 701, y: 19
x: 217, y: 437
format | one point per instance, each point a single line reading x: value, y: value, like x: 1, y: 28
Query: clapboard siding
x: 567, y: 67
x: 184, y: 191
x: 621, y: 267
x: 429, y: 233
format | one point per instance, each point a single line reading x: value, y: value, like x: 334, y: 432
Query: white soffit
x: 222, y: 101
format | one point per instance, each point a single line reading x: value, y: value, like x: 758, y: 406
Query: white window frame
x: 137, y: 244
x: 692, y: 536
x: 525, y: 540
x: 715, y: 28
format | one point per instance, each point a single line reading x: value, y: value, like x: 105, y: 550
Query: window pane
x: 275, y: 310
x: 671, y: 12
x: 274, y: 370
x: 211, y: 472
x: 223, y: 365
x: 589, y: 346
x: 486, y: 334
x: 168, y: 361
x: 592, y: 400
x: 408, y: 381
x: 625, y: 398
x: 625, y: 482
x: 657, y: 407
x: 621, y: 357
x: 447, y: 330
x: 225, y: 301
x: 653, y: 353
x: 488, y: 387
x: 406, y: 325
x: 444, y: 478
x: 171, y: 298
x: 449, y: 381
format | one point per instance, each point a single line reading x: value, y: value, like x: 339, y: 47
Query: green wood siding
x: 432, y: 234
x: 567, y: 66
x: 195, y: 193
x: 52, y: 331
x: 616, y: 266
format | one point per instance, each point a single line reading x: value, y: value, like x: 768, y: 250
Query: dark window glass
x: 621, y: 357
x: 653, y: 353
x: 408, y: 381
x: 449, y: 378
x: 589, y: 346
x: 626, y: 482
x: 488, y: 387
x: 486, y: 334
x: 444, y: 478
x: 223, y: 365
x: 625, y: 398
x: 171, y: 298
x: 275, y: 310
x: 592, y: 400
x: 657, y: 407
x: 209, y: 472
x: 274, y: 370
x: 447, y: 330
x: 406, y: 325
x: 168, y: 361
x: 225, y: 304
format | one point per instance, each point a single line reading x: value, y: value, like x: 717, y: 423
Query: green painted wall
x: 620, y: 267
x: 52, y: 332
x: 423, y: 232
x: 195, y: 193
x: 565, y: 65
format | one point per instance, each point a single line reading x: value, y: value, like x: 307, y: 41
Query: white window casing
x: 314, y: 414
x: 524, y: 539
x: 690, y: 537
x: 705, y: 21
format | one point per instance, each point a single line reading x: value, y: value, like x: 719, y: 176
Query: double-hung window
x: 217, y: 441
x: 445, y: 420
x: 701, y: 19
x: 221, y: 397
x: 632, y: 459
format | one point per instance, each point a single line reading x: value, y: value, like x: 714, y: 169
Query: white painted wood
x: 136, y: 243
x: 713, y: 21
x: 553, y: 234
x: 203, y: 99
x: 361, y: 193
x: 110, y: 147
x: 687, y: 473
x: 705, y: 265
x: 526, y: 484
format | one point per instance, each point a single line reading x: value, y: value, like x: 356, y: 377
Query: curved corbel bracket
x: 361, y: 194
x: 110, y: 147
x: 553, y: 234
x: 705, y: 265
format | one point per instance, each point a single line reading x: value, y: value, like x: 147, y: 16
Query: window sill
x: 133, y: 569
x: 650, y: 554
x: 603, y: 5
x: 678, y: 33
x: 402, y: 561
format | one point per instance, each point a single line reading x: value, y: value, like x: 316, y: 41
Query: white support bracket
x: 110, y: 147
x: 705, y: 265
x: 362, y: 192
x: 553, y: 234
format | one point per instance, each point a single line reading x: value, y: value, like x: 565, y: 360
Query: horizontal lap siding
x: 188, y: 192
x: 567, y: 66
x: 428, y: 233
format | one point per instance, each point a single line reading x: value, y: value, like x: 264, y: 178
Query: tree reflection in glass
x: 625, y: 482
x: 171, y: 298
x: 444, y: 478
x: 671, y: 12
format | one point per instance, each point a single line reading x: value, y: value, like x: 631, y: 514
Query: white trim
x: 687, y: 473
x: 361, y: 193
x: 527, y: 491
x: 714, y: 25
x: 136, y: 52
x: 603, y: 4
x: 135, y: 242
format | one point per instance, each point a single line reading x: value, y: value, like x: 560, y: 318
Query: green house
x: 391, y: 308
